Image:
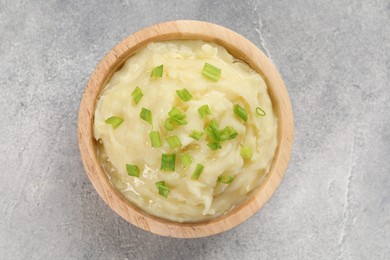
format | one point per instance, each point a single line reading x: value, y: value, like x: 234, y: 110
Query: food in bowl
x: 185, y: 131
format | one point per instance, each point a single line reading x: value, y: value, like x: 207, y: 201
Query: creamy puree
x: 188, y: 199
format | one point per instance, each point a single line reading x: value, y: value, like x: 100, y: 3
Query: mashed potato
x: 224, y: 160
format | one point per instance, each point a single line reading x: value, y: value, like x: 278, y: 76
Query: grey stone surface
x: 334, y: 202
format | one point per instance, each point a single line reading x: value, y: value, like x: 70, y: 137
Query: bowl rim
x: 239, y: 47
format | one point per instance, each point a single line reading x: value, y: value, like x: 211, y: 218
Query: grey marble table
x: 334, y: 202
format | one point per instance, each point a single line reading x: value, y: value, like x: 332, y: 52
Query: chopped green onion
x: 225, y: 179
x: 177, y: 117
x: 198, y: 170
x: 240, y: 111
x: 168, y: 124
x: 179, y: 121
x: 196, y: 135
x: 184, y: 94
x: 146, y: 115
x: 185, y: 160
x: 115, y: 121
x: 227, y: 133
x: 174, y: 112
x: 211, y: 72
x: 214, y: 146
x: 246, y: 153
x: 204, y: 111
x: 214, y: 124
x: 212, y: 131
x: 155, y: 139
x: 137, y: 95
x: 163, y: 189
x: 132, y: 170
x: 260, y: 112
x: 157, y: 71
x: 173, y: 141
x: 168, y: 162
x: 215, y: 135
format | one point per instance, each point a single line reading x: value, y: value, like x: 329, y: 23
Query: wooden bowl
x: 240, y: 48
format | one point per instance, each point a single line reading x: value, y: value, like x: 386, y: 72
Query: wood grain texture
x: 240, y: 48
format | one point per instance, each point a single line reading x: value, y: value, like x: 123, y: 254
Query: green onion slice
x: 146, y: 115
x: 197, y: 172
x: 214, y: 124
x: 246, y: 153
x: 241, y: 112
x: 185, y: 160
x: 132, y: 170
x: 177, y: 117
x: 155, y: 139
x: 214, y: 146
x: 212, y: 131
x: 163, y: 189
x: 204, y: 111
x: 196, y: 135
x: 216, y: 136
x: 184, y: 94
x: 260, y: 112
x: 137, y: 95
x: 115, y: 121
x: 174, y: 112
x: 157, y: 71
x: 227, y: 133
x: 211, y: 72
x: 173, y: 141
x: 168, y: 124
x: 225, y: 179
x: 168, y: 162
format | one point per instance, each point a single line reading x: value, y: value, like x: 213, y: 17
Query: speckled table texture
x: 334, y: 201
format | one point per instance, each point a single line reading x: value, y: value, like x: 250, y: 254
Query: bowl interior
x: 240, y: 48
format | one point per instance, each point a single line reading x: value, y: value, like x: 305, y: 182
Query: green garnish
x: 214, y: 124
x: 146, y: 115
x: 196, y: 134
x: 240, y: 111
x: 185, y: 160
x: 163, y: 190
x: 168, y: 162
x: 115, y: 121
x: 246, y: 153
x: 212, y: 131
x: 213, y: 134
x: 225, y: 179
x: 204, y: 111
x: 157, y: 71
x: 168, y: 124
x: 155, y: 139
x: 260, y: 112
x: 198, y: 170
x: 174, y: 112
x: 227, y: 133
x: 132, y: 170
x: 184, y: 94
x: 173, y: 141
x: 137, y: 95
x: 177, y: 117
x: 216, y: 136
x: 214, y: 146
x: 211, y: 72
